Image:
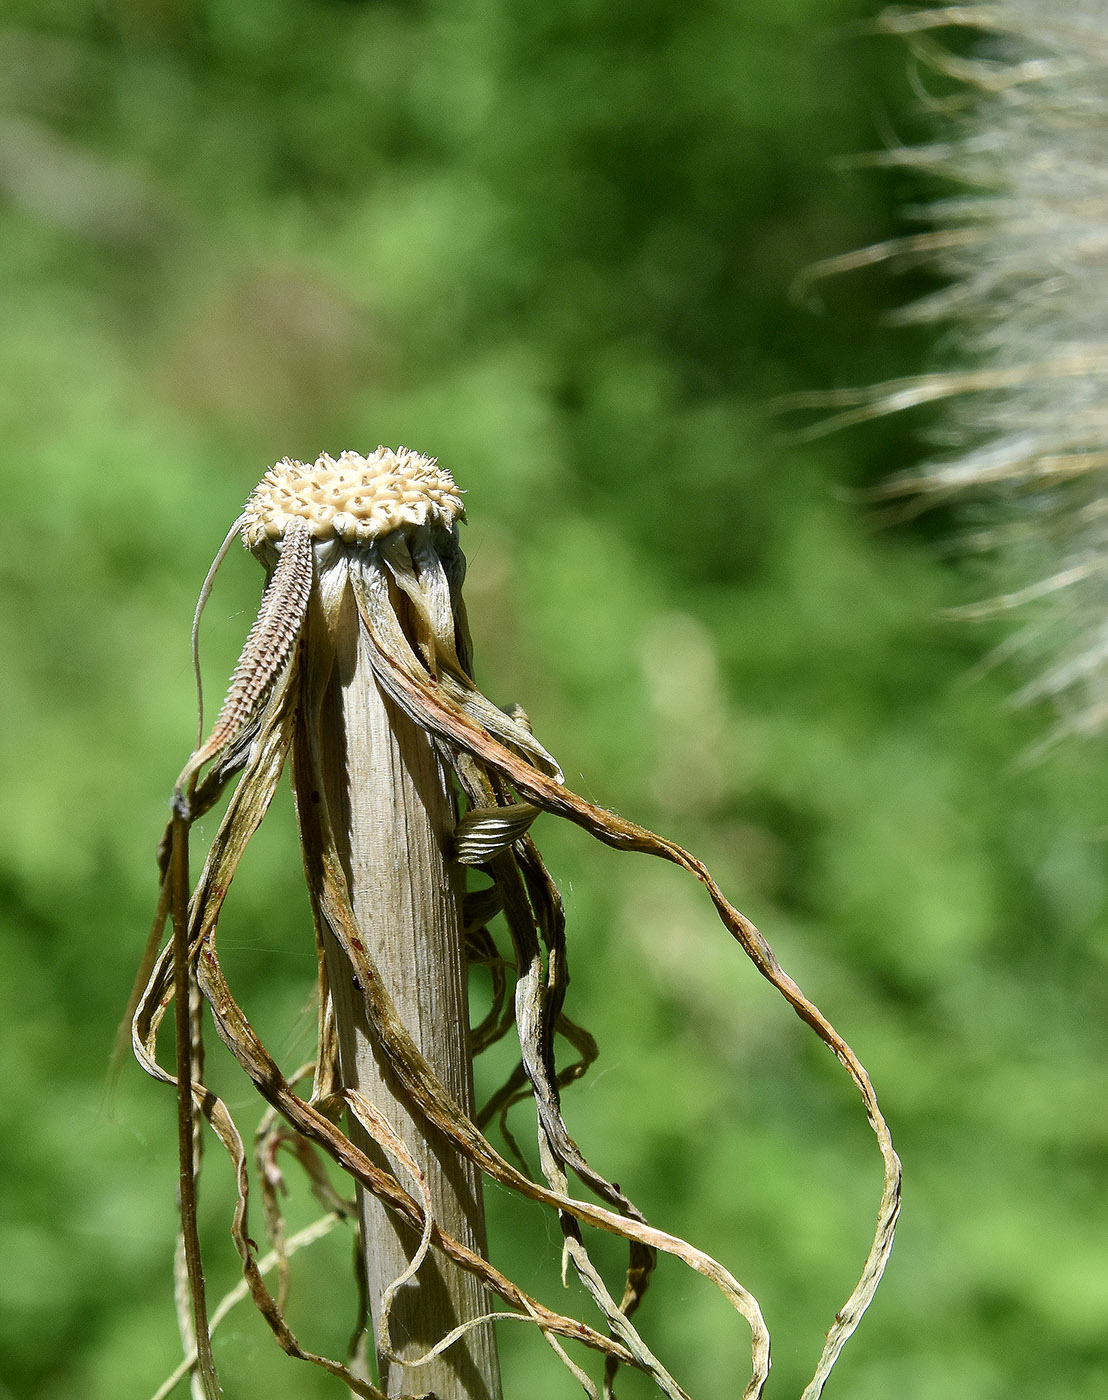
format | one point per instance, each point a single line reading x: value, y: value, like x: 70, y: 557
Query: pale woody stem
x: 389, y: 802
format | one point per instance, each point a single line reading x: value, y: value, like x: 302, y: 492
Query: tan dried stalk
x: 376, y: 776
x: 358, y: 668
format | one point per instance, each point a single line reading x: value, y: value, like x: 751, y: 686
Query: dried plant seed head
x: 353, y: 499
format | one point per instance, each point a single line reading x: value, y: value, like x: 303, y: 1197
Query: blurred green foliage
x: 554, y: 246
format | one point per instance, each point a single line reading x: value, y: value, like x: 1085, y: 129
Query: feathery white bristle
x: 1026, y: 255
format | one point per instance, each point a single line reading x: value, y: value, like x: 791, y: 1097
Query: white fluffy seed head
x: 353, y: 498
x: 1022, y: 241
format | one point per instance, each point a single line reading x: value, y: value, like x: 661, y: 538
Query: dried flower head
x: 355, y: 499
x: 358, y: 674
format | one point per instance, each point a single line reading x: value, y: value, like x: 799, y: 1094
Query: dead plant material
x: 365, y: 571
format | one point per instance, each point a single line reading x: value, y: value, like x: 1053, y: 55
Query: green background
x: 553, y: 245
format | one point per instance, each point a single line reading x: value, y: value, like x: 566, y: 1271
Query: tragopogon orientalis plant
x: 357, y: 674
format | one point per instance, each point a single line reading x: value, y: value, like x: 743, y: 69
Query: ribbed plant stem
x: 388, y: 798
